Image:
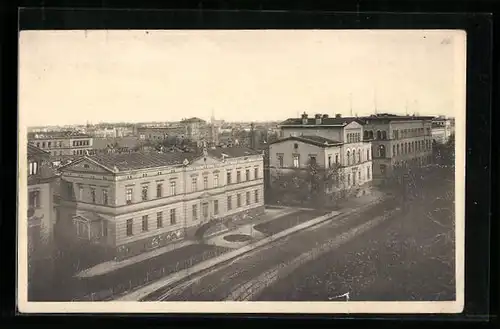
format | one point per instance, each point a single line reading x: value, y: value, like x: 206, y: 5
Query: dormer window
x: 33, y: 167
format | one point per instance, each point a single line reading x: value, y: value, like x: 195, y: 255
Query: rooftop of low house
x: 34, y: 151
x: 313, y: 140
x: 339, y: 120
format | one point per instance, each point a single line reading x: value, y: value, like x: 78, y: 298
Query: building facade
x: 161, y: 133
x: 62, y: 143
x: 350, y: 162
x: 131, y: 203
x: 442, y: 129
x: 41, y: 217
x: 397, y: 141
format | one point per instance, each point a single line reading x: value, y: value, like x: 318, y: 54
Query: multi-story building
x: 134, y: 202
x: 397, y: 141
x: 161, y: 133
x: 62, y: 143
x: 328, y: 143
x: 42, y: 214
x: 442, y: 129
x: 196, y: 128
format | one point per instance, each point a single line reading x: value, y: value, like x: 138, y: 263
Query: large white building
x: 133, y: 202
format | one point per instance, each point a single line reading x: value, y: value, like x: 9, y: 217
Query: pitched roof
x: 232, y: 152
x: 194, y: 119
x: 34, y: 151
x: 313, y: 140
x: 142, y: 160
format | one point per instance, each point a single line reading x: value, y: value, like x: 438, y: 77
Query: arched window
x: 371, y: 134
x: 365, y: 134
x: 379, y: 134
x: 413, y: 146
x: 397, y: 149
x: 393, y: 150
x: 381, y: 151
x: 384, y: 134
x: 406, y: 148
x: 353, y: 156
x: 359, y: 155
x: 348, y: 158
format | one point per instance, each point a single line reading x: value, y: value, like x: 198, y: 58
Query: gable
x: 209, y: 161
x: 353, y: 125
x: 85, y: 165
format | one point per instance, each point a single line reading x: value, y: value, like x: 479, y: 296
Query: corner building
x: 135, y: 202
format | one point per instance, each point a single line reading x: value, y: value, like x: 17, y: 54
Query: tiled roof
x: 142, y: 160
x: 313, y: 140
x: 102, y: 143
x: 57, y: 135
x: 324, y: 121
x: 194, y: 119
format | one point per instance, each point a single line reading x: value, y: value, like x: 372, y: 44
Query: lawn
x: 285, y: 222
x: 137, y: 274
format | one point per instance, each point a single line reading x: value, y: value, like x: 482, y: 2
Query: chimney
x: 317, y: 118
x: 304, y: 118
x: 338, y: 115
x: 325, y: 116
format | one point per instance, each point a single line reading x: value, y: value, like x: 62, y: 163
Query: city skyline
x: 137, y: 75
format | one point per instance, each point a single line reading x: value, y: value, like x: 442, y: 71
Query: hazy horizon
x: 75, y: 77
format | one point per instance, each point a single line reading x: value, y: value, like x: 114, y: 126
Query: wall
x: 286, y: 148
x: 333, y: 133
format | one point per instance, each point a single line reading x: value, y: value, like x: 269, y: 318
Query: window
x: 159, y: 190
x: 238, y: 176
x: 38, y: 144
x: 336, y: 158
x: 216, y: 207
x: 397, y: 149
x: 312, y: 160
x: 248, y: 198
x: 296, y: 161
x: 144, y: 223
x: 205, y: 210
x: 194, y: 184
x: 159, y: 219
x: 256, y: 195
x: 173, y: 218
x: 255, y: 173
x: 228, y: 178
x: 280, y: 161
x: 144, y: 193
x: 229, y: 203
x: 205, y: 182
x: 80, y: 190
x: 406, y: 148
x: 172, y: 188
x: 295, y: 146
x: 195, y: 212
x: 379, y: 134
x: 368, y: 172
x: 247, y: 174
x: 43, y: 144
x: 130, y: 226
x: 359, y: 155
x: 238, y: 200
x: 105, y: 197
x: 33, y: 168
x: 34, y: 199
x: 359, y: 175
x: 216, y: 180
x: 368, y: 155
x: 92, y: 194
x: 129, y: 195
x: 49, y: 144
x: 348, y: 158
x: 348, y: 179
x: 329, y: 161
x: 381, y: 151
x: 393, y: 150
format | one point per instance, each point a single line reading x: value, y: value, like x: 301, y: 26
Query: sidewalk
x: 113, y: 265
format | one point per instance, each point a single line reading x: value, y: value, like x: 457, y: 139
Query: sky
x: 75, y: 77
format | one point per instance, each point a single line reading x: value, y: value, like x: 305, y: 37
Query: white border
x: 459, y: 43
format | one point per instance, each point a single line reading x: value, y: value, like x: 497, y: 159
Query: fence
x: 252, y: 288
x: 150, y: 276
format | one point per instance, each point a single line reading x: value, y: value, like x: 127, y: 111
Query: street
x: 407, y: 258
x: 217, y: 284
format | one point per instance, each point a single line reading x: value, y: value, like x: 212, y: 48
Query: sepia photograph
x: 241, y: 171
